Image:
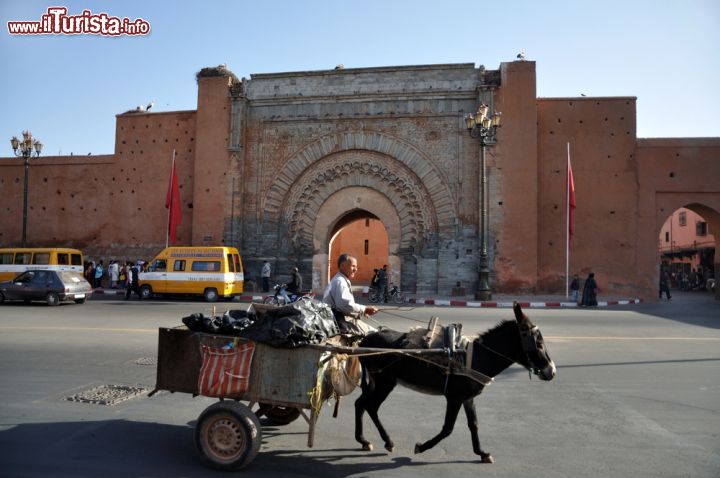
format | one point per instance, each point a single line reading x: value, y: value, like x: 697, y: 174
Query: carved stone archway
x: 335, y: 209
x: 403, y: 190
x: 416, y: 192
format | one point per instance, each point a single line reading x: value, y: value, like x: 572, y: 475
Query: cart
x: 285, y: 383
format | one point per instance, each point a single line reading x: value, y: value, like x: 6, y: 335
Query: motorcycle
x: 393, y: 294
x: 278, y: 299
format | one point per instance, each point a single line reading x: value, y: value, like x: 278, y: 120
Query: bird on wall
x: 150, y: 105
x: 521, y: 56
x: 340, y: 67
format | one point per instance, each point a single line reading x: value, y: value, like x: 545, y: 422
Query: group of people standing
x: 116, y: 275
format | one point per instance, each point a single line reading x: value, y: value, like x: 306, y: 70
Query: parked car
x: 50, y: 286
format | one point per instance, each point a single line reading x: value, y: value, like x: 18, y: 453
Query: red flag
x: 571, y: 198
x: 172, y: 202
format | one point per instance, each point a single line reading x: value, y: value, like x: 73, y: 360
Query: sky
x: 67, y: 89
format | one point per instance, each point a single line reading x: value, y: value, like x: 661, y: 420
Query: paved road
x: 637, y: 394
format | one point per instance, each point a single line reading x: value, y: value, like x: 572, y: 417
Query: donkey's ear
x: 519, y: 316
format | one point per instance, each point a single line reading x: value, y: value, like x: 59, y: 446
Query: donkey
x: 512, y: 341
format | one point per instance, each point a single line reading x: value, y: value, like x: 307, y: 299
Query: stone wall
x: 276, y: 164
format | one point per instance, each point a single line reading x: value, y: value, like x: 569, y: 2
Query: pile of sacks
x: 300, y: 323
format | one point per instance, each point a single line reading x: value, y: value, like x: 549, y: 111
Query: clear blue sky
x: 68, y: 89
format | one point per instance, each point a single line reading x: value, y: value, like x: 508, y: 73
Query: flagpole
x: 167, y: 229
x: 567, y: 223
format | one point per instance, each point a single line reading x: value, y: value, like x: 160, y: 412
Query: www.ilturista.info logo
x: 57, y: 22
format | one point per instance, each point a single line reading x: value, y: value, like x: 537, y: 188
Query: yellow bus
x: 16, y: 260
x: 212, y: 272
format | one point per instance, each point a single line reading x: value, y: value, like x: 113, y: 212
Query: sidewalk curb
x: 441, y: 302
x: 524, y: 304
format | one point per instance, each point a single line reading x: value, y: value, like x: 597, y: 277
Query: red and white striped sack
x: 225, y: 372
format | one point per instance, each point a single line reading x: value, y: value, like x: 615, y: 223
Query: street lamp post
x: 483, y: 127
x: 24, y: 149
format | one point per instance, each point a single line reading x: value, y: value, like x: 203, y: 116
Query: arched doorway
x: 342, y: 209
x: 687, y: 246
x: 363, y: 235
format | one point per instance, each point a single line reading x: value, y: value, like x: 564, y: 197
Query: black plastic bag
x: 300, y: 323
x: 232, y: 322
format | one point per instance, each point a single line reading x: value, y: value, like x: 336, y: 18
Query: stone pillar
x: 320, y: 272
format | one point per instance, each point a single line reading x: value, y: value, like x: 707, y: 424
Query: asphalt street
x: 636, y: 394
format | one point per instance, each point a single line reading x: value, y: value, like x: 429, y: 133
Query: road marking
x: 75, y: 329
x: 701, y: 339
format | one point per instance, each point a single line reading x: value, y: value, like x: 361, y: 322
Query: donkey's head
x: 534, y: 355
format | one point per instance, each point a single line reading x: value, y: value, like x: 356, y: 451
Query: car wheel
x: 146, y: 292
x: 52, y: 299
x: 2, y: 298
x: 211, y: 294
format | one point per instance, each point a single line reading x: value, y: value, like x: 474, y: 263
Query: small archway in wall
x: 363, y: 235
x: 340, y: 210
x: 688, y: 246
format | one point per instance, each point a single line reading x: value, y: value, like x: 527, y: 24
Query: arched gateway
x: 360, y: 171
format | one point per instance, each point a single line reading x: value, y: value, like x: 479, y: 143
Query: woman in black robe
x: 589, y: 295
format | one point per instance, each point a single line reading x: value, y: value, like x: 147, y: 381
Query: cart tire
x: 228, y: 435
x: 52, y: 299
x: 281, y: 415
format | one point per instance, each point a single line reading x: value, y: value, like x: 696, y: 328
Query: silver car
x: 49, y: 286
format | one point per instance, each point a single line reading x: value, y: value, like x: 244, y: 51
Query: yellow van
x: 15, y: 260
x: 208, y: 271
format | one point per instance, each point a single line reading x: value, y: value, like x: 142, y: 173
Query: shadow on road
x: 121, y: 448
x: 694, y: 308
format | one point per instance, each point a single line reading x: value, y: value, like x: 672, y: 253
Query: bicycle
x: 393, y: 294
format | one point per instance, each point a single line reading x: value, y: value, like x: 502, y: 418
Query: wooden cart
x: 283, y: 382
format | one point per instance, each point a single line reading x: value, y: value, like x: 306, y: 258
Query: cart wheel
x: 281, y: 415
x: 228, y: 435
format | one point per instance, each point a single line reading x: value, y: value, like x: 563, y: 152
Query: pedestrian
x: 382, y: 283
x: 338, y: 295
x: 122, y: 276
x: 590, y: 290
x: 99, y: 271
x: 265, y: 275
x: 133, y: 281
x: 575, y: 288
x: 90, y: 273
x: 664, y: 284
x: 113, y: 274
